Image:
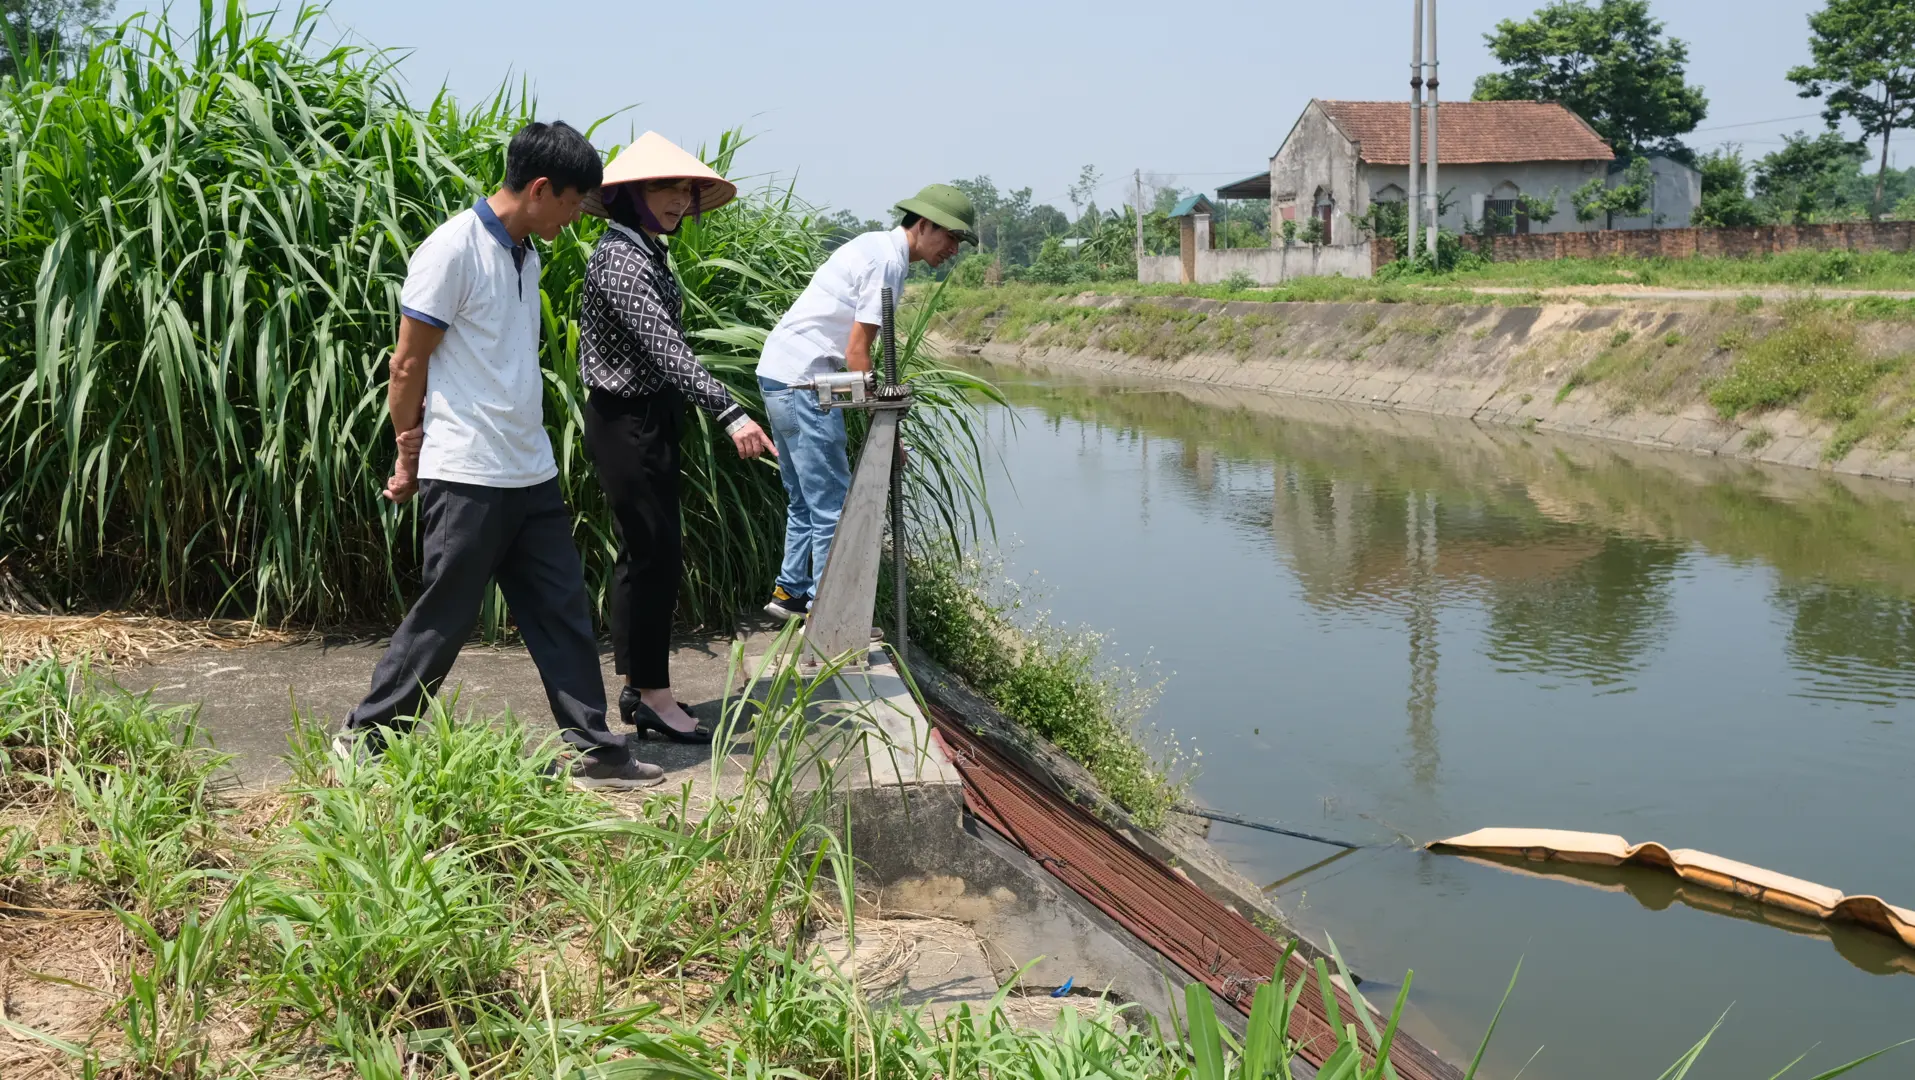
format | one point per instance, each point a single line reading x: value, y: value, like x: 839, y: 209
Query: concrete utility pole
x: 1436, y: 193
x: 1413, y: 202
x: 1138, y: 176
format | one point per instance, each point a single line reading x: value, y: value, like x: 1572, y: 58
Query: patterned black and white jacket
x: 631, y: 341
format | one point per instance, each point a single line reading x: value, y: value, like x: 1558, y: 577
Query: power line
x: 1758, y: 123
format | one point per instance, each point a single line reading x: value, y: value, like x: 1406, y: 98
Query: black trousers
x: 522, y: 538
x: 634, y: 445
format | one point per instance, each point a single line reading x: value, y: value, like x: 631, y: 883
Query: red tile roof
x: 1471, y: 132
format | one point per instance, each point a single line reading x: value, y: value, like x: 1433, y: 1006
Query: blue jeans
x: 817, y: 474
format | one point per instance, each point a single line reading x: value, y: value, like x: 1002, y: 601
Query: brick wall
x: 1898, y: 236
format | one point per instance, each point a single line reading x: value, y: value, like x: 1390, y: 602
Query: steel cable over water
x: 1210, y: 942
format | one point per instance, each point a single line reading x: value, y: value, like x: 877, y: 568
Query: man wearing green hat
x: 831, y: 328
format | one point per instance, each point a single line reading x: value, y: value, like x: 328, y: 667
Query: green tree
x: 1610, y: 63
x: 48, y: 26
x: 1010, y: 227
x: 844, y: 225
x: 1863, y: 68
x: 1083, y: 197
x: 1809, y: 177
x: 1628, y: 197
x: 1725, y: 191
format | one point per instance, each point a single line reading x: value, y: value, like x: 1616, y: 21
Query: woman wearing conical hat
x: 639, y: 373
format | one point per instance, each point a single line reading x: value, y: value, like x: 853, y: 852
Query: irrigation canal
x: 1378, y: 626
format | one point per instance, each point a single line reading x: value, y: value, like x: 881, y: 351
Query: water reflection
x: 1852, y: 644
x: 1382, y: 624
x: 1575, y: 550
x: 1657, y: 890
x: 1420, y: 525
x: 1595, y: 618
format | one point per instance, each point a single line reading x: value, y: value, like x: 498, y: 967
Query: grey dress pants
x: 522, y: 538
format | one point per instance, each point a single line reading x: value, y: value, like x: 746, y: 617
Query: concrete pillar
x: 1206, y: 240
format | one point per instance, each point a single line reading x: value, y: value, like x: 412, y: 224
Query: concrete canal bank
x: 1631, y: 374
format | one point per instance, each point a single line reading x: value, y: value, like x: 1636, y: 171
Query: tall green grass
x: 202, y: 242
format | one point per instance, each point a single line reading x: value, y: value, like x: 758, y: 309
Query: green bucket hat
x: 942, y: 204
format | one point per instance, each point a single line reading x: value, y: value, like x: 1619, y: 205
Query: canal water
x: 1393, y: 629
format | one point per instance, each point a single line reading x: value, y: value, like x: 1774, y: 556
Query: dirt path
x: 1625, y: 291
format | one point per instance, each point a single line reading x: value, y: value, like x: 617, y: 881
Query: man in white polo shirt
x: 830, y: 328
x: 468, y: 399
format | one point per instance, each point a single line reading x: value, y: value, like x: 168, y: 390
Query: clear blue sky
x: 865, y: 102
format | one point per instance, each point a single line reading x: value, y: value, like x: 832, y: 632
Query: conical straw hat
x: 654, y: 157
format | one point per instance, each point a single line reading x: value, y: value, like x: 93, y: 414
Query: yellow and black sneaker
x: 786, y: 606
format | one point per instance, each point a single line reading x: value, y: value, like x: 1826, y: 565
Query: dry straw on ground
x: 122, y: 640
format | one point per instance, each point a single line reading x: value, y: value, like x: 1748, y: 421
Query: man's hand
x: 751, y: 440
x: 404, y: 482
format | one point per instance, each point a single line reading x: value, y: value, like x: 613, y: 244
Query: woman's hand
x: 404, y: 482
x: 751, y: 440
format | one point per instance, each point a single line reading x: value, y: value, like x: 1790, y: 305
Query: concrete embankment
x: 1633, y: 374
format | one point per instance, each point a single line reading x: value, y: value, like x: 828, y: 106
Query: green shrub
x: 1045, y: 678
x: 1815, y: 359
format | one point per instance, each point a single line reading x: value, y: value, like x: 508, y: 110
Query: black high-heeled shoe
x: 635, y: 712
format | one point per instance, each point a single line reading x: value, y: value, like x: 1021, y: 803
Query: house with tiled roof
x: 1495, y: 157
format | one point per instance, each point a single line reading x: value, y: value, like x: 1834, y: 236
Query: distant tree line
x: 1811, y: 179
x: 46, y: 27
x: 1020, y: 239
x: 1610, y: 61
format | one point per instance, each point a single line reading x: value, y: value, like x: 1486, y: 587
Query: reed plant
x: 202, y: 241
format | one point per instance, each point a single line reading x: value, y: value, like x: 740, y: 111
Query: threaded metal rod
x: 888, y: 337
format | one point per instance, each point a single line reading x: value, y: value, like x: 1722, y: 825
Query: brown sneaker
x: 593, y: 773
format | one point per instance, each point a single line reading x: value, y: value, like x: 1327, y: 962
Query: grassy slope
x: 1808, y: 269
x: 1837, y: 361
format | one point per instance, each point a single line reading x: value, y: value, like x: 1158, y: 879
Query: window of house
x: 1504, y: 211
x: 1325, y: 211
x: 1389, y: 193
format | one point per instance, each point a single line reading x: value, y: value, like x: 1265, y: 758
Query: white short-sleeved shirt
x: 813, y: 336
x: 485, y: 395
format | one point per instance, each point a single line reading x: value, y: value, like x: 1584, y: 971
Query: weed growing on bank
x: 1839, y: 268
x: 1816, y: 361
x: 1052, y: 680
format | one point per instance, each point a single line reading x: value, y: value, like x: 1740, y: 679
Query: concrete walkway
x: 248, y: 697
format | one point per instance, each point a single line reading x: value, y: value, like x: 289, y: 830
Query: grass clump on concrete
x: 1048, y: 679
x: 1817, y: 362
x: 1839, y: 268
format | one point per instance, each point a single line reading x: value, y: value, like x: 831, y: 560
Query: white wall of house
x: 1316, y: 161
x: 1265, y: 266
x: 1674, y: 194
x: 1469, y: 186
